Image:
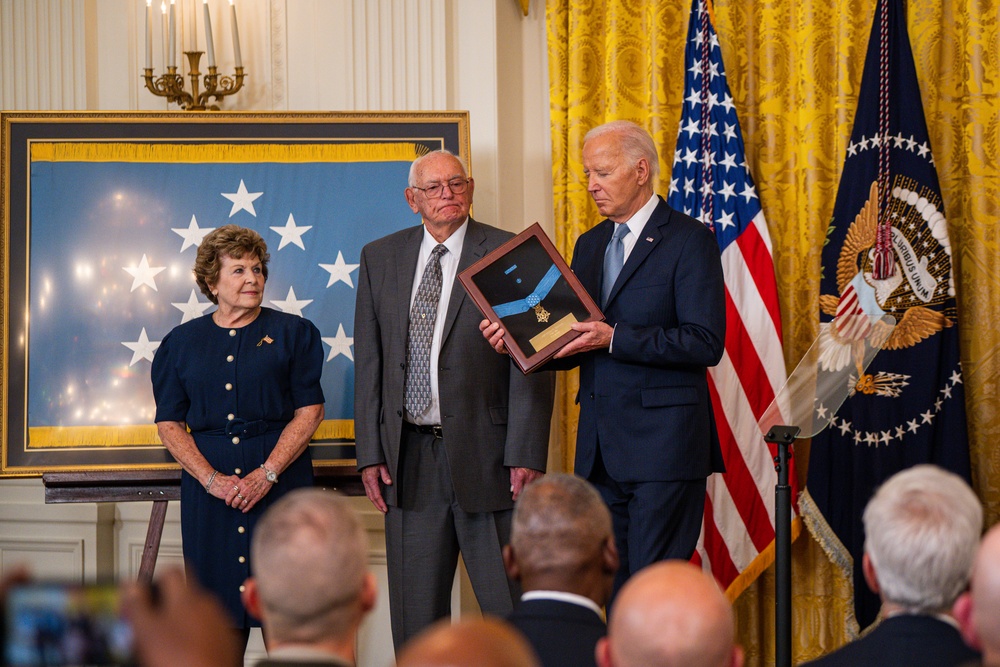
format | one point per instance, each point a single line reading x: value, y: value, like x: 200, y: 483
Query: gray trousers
x: 424, y: 536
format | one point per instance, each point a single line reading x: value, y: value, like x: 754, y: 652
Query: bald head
x: 981, y: 620
x: 486, y: 642
x: 670, y: 614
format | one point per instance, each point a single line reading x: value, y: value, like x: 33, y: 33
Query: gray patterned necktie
x: 614, y: 259
x: 418, y: 349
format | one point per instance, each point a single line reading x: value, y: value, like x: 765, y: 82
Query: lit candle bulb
x: 171, y: 56
x: 163, y: 31
x: 149, y: 37
x: 236, y: 35
x: 209, y: 46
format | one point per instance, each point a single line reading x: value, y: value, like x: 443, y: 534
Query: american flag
x: 711, y: 182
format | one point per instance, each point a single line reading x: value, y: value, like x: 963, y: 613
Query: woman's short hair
x: 230, y: 240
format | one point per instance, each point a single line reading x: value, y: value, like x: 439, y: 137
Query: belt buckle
x: 437, y: 431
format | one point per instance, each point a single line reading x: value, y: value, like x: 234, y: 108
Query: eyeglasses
x: 456, y: 185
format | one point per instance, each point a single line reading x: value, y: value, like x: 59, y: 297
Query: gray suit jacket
x: 493, y: 416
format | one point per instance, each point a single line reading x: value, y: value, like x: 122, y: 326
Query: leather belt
x: 426, y: 429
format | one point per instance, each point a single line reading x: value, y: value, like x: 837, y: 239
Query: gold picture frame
x: 53, y: 162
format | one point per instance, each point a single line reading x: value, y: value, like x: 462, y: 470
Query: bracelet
x: 211, y: 478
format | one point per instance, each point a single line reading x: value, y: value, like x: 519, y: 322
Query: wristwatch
x: 269, y: 475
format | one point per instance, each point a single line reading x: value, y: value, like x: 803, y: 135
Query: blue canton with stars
x: 113, y: 245
x: 734, y: 197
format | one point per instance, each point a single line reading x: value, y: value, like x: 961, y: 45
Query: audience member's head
x: 561, y: 539
x: 922, y: 530
x: 978, y: 611
x: 487, y: 642
x: 670, y: 614
x: 311, y: 584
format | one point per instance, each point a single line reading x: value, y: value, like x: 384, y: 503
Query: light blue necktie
x: 614, y: 259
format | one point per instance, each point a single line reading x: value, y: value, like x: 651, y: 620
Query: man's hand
x: 186, y: 626
x: 494, y: 335
x: 371, y: 476
x: 596, y: 336
x: 521, y: 477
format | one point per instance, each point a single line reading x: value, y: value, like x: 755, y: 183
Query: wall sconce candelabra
x: 171, y: 84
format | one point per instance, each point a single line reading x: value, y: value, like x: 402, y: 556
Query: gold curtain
x: 794, y: 68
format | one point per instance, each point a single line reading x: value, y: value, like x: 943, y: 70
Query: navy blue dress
x: 236, y: 389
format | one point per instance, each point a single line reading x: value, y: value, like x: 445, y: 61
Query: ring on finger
x: 240, y: 496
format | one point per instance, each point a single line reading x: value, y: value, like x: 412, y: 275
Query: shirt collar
x: 561, y: 596
x: 453, y: 243
x: 642, y: 216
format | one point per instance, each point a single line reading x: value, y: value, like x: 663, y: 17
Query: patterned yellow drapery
x: 794, y: 68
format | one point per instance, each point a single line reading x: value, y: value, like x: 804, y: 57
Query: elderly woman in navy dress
x: 238, y: 398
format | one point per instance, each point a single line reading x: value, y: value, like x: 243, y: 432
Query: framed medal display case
x: 526, y: 286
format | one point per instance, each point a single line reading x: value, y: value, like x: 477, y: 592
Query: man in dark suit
x: 447, y: 432
x: 921, y: 533
x: 647, y: 438
x: 562, y: 552
x: 311, y: 585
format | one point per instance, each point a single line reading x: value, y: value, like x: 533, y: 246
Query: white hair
x: 922, y: 530
x: 309, y: 558
x: 415, y: 165
x: 636, y: 143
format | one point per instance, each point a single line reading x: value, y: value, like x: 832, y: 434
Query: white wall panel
x: 41, y: 47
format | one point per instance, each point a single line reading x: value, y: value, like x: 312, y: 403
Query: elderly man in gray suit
x: 447, y: 431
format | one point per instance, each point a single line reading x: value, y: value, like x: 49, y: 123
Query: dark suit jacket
x: 646, y: 401
x: 493, y: 416
x: 910, y: 641
x: 562, y: 633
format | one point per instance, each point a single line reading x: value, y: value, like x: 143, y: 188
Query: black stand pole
x: 782, y: 436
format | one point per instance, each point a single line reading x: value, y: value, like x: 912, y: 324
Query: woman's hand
x: 245, y: 493
x: 222, y: 486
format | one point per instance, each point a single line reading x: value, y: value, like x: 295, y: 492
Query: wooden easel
x: 160, y: 487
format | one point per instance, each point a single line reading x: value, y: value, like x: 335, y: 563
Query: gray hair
x: 922, y: 530
x: 309, y: 558
x: 560, y: 522
x: 415, y: 165
x: 636, y: 143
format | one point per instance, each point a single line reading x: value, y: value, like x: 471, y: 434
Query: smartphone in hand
x: 66, y: 624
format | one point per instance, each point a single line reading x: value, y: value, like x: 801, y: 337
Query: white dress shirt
x: 449, y: 269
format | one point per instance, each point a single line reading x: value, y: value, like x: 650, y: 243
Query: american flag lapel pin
x: 265, y: 339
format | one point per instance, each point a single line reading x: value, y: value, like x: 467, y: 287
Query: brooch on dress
x: 265, y: 339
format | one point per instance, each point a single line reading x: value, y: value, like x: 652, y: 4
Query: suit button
x: 399, y: 413
x: 591, y: 397
x: 402, y: 366
x: 236, y: 441
x: 242, y: 559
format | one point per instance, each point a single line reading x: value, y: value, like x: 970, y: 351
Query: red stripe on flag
x: 758, y: 261
x: 753, y: 378
x: 723, y: 568
x: 739, y: 480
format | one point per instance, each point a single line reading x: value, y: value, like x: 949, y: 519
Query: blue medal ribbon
x: 527, y: 303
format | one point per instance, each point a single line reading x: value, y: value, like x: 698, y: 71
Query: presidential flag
x: 888, y: 253
x: 711, y: 182
x: 114, y: 229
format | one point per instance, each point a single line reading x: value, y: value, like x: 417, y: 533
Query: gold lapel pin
x: 265, y: 339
